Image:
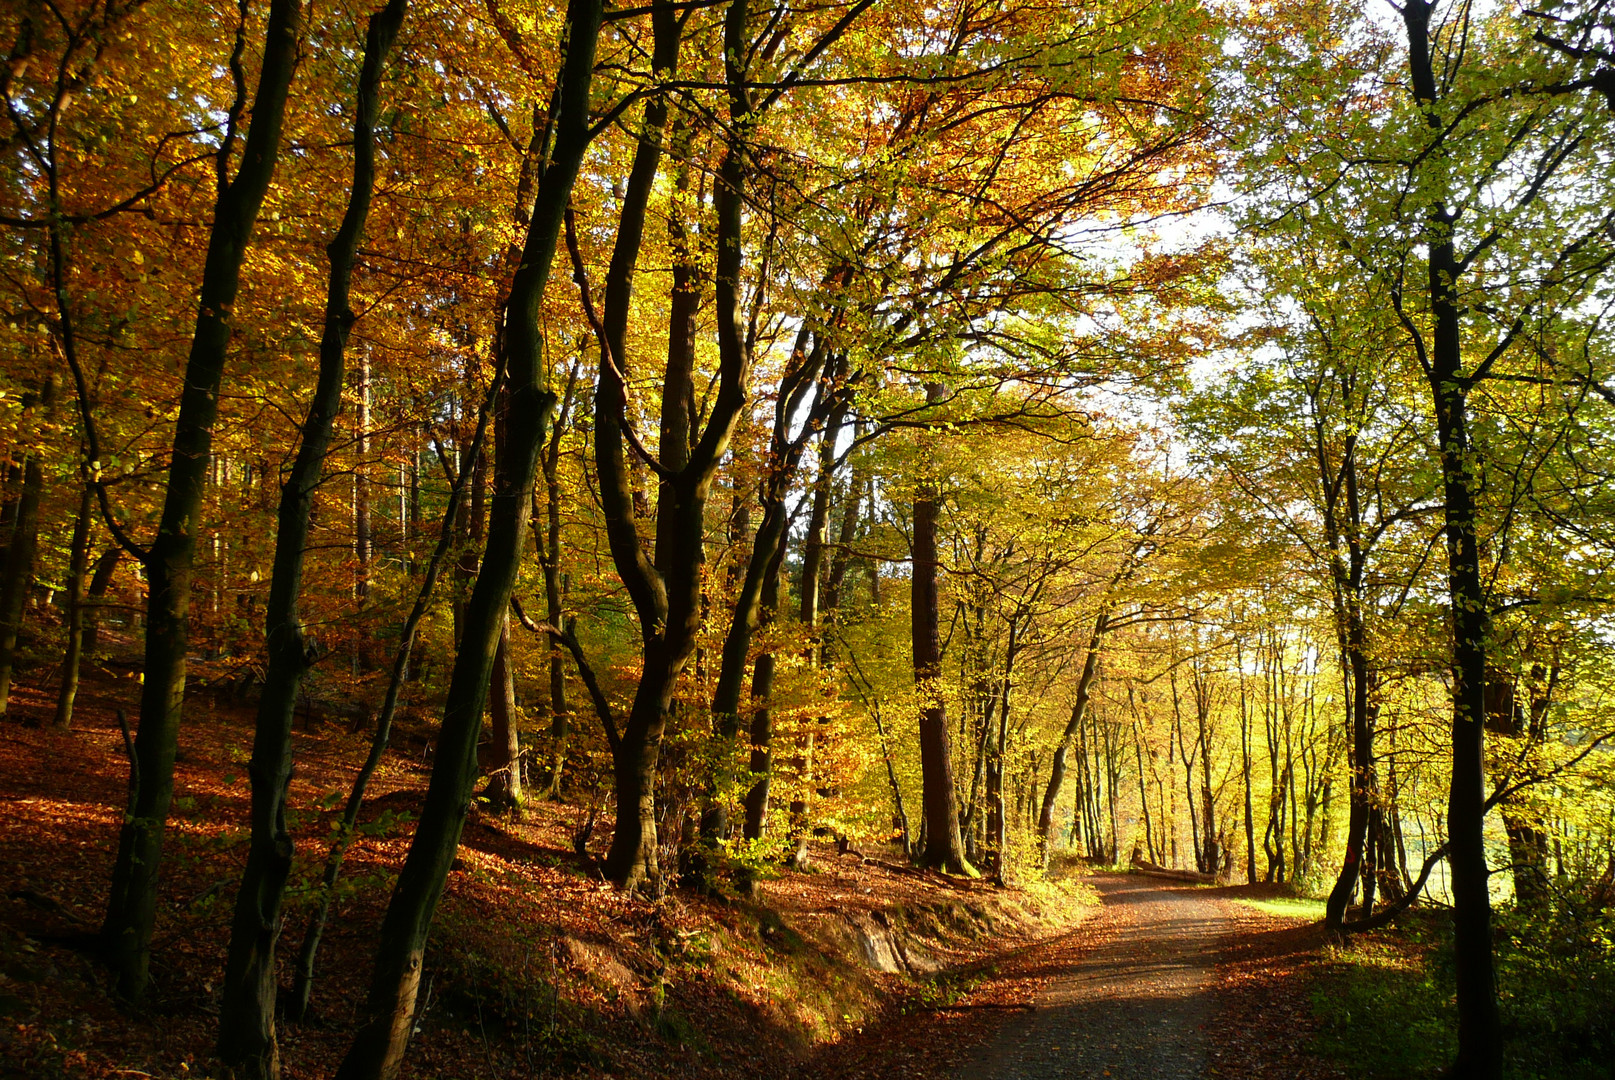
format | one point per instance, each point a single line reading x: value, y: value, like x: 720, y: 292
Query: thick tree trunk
x: 132, y: 902
x: 247, y: 1043
x: 388, y: 1012
x: 632, y: 861
x: 18, y: 576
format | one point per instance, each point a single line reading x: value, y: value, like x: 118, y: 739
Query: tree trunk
x: 132, y: 901
x: 1479, y: 1038
x: 1245, y: 765
x: 100, y: 581
x: 808, y: 590
x: 247, y: 1043
x: 666, y: 593
x: 504, y: 791
x: 19, y: 564
x: 362, y: 544
x: 762, y: 721
x: 388, y: 1012
x: 303, y: 985
x: 78, y: 569
x: 1079, y: 708
x: 554, y: 590
x: 944, y: 848
x: 785, y: 454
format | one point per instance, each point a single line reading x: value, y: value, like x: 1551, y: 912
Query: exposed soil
x: 1132, y: 1004
x: 1164, y: 981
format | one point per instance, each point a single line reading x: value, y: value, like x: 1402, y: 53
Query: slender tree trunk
x: 388, y: 1012
x: 785, y: 454
x: 1079, y: 708
x: 247, y: 1042
x: 77, y: 572
x: 1143, y: 789
x: 362, y: 540
x: 944, y: 848
x: 504, y: 791
x: 132, y: 902
x: 1363, y: 792
x: 810, y: 595
x: 303, y: 985
x: 1212, y: 857
x: 1245, y: 765
x: 100, y: 581
x: 18, y: 575
x: 554, y: 590
x: 762, y: 720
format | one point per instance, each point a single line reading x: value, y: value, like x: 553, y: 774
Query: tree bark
x: 554, y: 589
x: 100, y: 581
x: 1079, y: 708
x: 944, y: 848
x: 19, y: 564
x: 762, y: 717
x: 1479, y: 1037
x: 132, y: 901
x: 77, y: 571
x: 785, y: 454
x: 247, y: 1042
x: 303, y: 984
x: 388, y: 1012
x: 666, y: 594
x: 504, y: 791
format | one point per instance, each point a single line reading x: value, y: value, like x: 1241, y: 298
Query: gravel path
x: 1133, y: 1006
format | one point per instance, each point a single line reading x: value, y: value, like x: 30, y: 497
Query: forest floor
x: 863, y: 968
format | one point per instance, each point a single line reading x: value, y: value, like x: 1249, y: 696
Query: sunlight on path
x: 1132, y: 1007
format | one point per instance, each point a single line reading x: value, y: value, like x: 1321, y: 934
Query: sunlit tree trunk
x: 1079, y: 708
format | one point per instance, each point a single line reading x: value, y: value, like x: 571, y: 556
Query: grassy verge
x: 1286, y: 907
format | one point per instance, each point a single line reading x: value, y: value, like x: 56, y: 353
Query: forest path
x: 1131, y: 998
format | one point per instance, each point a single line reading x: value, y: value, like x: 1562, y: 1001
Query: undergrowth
x: 1387, y: 1001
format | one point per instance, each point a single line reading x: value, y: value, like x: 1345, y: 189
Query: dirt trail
x: 1134, y: 1006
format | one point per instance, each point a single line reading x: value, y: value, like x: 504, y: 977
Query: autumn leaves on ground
x: 861, y: 968
x: 657, y: 529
